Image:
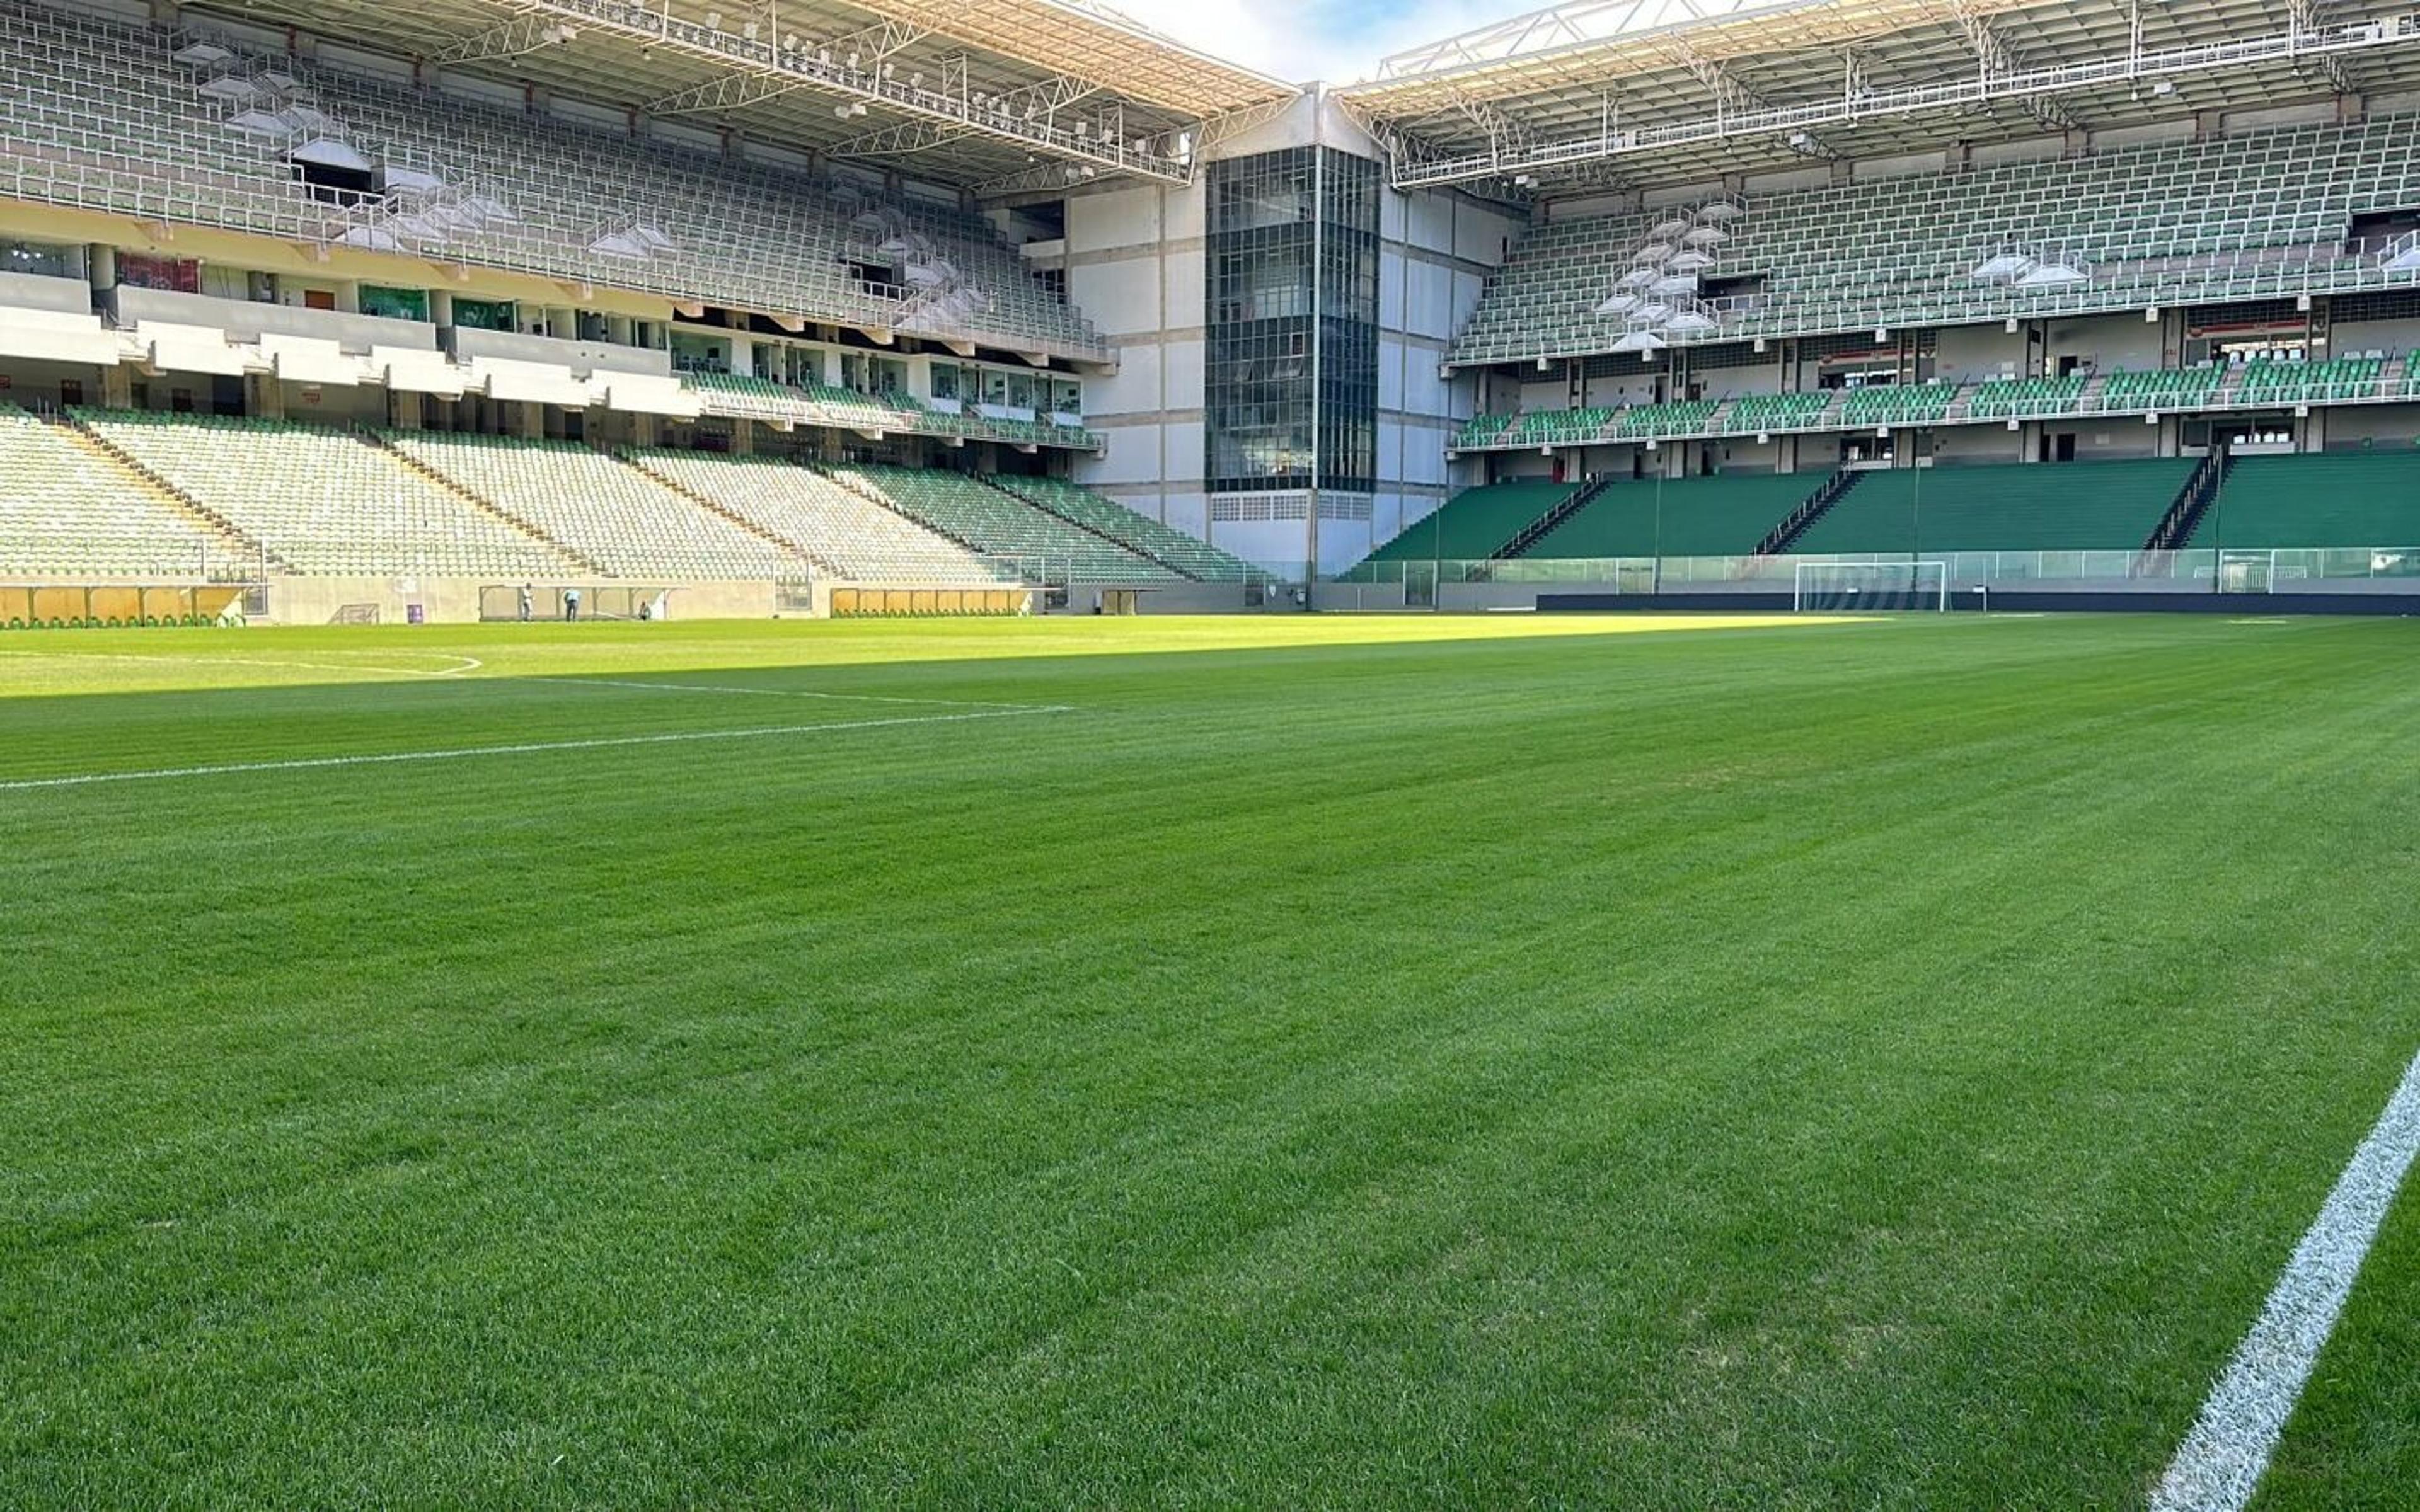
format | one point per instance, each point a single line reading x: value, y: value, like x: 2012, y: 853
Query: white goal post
x: 1849, y: 586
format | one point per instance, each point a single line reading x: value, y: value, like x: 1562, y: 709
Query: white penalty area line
x: 779, y: 693
x: 2220, y: 1464
x: 461, y: 664
x: 307, y: 763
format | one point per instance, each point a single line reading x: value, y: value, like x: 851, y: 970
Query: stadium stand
x: 70, y: 510
x: 323, y: 502
x: 2234, y: 218
x: 2047, y: 506
x: 1188, y: 555
x: 1754, y: 412
x: 1895, y: 404
x: 1684, y: 418
x: 2273, y: 382
x: 2162, y: 388
x: 102, y: 115
x: 1043, y: 546
x: 2004, y: 399
x: 1474, y: 524
x: 1711, y: 516
x: 613, y: 515
x: 2327, y: 499
x: 842, y: 531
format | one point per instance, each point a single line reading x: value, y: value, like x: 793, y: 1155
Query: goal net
x: 1872, y: 585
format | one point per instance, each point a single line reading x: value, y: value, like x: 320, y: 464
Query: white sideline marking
x: 2221, y: 1461
x: 770, y: 692
x: 306, y: 764
x: 462, y: 664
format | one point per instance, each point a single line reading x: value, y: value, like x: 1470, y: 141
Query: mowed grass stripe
x: 1480, y: 1072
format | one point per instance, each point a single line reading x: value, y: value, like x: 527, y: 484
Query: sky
x: 1299, y: 41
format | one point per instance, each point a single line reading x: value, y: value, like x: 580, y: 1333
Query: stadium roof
x: 990, y: 94
x: 1630, y: 91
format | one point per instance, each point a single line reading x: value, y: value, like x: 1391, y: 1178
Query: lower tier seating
x: 327, y: 503
x: 67, y: 510
x: 2048, y: 506
x: 849, y: 535
x: 1190, y: 555
x: 609, y: 512
x: 1718, y: 516
x: 1475, y: 523
x: 2327, y: 499
x: 967, y: 509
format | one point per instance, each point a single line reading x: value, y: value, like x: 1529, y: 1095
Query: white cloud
x: 1299, y: 41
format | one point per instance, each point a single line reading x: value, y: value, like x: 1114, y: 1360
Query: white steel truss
x: 1415, y: 164
x: 762, y: 69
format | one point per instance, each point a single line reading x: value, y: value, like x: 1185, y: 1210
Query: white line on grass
x: 462, y: 664
x: 770, y: 692
x: 304, y: 764
x: 2220, y: 1463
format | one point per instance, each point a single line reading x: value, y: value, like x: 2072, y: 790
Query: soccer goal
x: 1872, y: 585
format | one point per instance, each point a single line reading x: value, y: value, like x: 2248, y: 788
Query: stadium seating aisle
x: 1039, y: 543
x: 840, y: 530
x: 1724, y: 516
x: 2328, y: 499
x: 1189, y: 555
x: 614, y: 514
x: 2047, y: 506
x: 1475, y: 523
x: 67, y: 510
x: 326, y: 502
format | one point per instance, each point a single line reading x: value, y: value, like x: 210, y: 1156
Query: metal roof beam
x: 1994, y: 57
x: 1734, y: 99
x: 777, y: 68
x: 2291, y: 48
x: 517, y: 37
x: 2305, y: 14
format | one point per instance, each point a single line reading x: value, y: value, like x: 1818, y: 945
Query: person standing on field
x: 529, y: 601
x: 572, y: 603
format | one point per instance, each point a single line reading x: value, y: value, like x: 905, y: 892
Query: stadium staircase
x: 473, y: 503
x: 1545, y: 524
x: 1187, y: 556
x: 1782, y: 536
x: 253, y: 556
x: 2345, y: 500
x: 737, y: 520
x: 2183, y: 518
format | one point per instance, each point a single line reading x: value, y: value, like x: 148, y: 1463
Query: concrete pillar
x: 117, y: 387
x: 348, y: 297
x: 101, y: 264
x: 264, y: 396
x: 620, y: 330
x: 743, y: 438
x: 441, y: 307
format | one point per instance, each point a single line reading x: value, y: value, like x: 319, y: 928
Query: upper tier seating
x: 100, y: 115
x: 66, y: 510
x: 1475, y: 523
x: 2165, y: 388
x: 1681, y: 418
x: 326, y: 502
x: 2003, y: 397
x: 1725, y: 516
x: 2256, y: 214
x: 2326, y: 498
x: 2345, y: 378
x: 614, y: 514
x: 1558, y: 427
x: 1188, y: 554
x: 844, y: 532
x: 1041, y: 544
x: 1481, y: 430
x: 1778, y: 411
x: 1895, y: 404
x: 2045, y: 506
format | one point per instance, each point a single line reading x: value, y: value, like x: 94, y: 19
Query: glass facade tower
x: 1290, y: 384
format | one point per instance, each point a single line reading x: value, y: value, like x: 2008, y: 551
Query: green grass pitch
x: 1311, y: 1062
